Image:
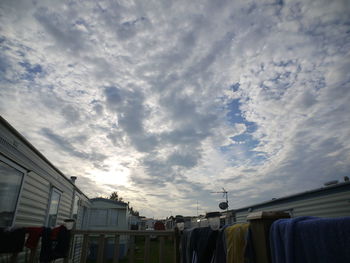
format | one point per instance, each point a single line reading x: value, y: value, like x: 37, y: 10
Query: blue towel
x: 282, y: 239
x: 310, y: 240
x: 324, y: 240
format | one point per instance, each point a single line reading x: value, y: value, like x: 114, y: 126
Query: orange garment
x: 235, y: 242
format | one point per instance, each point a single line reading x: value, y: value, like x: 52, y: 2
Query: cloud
x: 65, y: 145
x: 71, y: 114
x: 167, y: 102
x: 68, y: 38
x: 131, y: 111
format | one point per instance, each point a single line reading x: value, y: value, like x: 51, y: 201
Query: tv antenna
x: 223, y: 205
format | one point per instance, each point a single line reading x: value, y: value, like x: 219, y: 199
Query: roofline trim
x: 277, y: 200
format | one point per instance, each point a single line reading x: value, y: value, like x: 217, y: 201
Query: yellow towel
x: 235, y: 242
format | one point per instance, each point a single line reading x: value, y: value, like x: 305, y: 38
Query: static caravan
x: 147, y: 223
x: 106, y: 214
x: 33, y: 192
x: 329, y: 201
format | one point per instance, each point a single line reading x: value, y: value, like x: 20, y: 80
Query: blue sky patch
x: 31, y: 70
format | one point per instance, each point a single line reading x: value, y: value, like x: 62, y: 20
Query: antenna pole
x: 225, y: 195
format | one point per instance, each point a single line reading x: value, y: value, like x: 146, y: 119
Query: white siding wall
x: 38, y: 182
x: 36, y: 190
x: 122, y: 215
x: 331, y: 205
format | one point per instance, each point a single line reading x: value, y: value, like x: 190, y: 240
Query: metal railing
x: 103, y: 235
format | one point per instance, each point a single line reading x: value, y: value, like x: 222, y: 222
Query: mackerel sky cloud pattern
x: 167, y: 101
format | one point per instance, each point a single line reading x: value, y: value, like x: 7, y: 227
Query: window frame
x: 75, y: 196
x: 53, y: 189
x: 19, y: 168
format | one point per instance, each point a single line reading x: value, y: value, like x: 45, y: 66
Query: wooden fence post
x: 116, y: 249
x: 147, y: 249
x: 14, y: 258
x: 176, y: 245
x: 101, y: 248
x: 161, y: 249
x: 32, y: 255
x: 132, y: 249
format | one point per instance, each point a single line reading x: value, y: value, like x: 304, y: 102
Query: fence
x: 103, y: 235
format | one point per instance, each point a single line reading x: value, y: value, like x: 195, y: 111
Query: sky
x: 168, y: 101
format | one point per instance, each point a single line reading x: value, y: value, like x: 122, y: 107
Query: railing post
x: 32, y: 255
x: 14, y: 258
x: 116, y: 249
x: 147, y: 249
x: 161, y: 249
x: 132, y: 249
x: 70, y: 249
x: 101, y: 248
x: 176, y: 245
x: 84, y: 249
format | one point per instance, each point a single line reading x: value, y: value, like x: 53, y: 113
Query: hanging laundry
x: 308, y: 240
x: 54, y: 243
x: 235, y: 242
x: 202, y: 244
x: 221, y: 249
x: 11, y: 241
x: 34, y: 234
x: 258, y: 238
x: 186, y: 253
x: 324, y: 240
x: 282, y: 235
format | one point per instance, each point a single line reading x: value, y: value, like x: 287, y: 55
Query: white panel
x: 33, y: 203
x: 331, y: 205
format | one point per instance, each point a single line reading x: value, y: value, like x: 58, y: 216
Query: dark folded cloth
x: 186, y: 253
x: 220, y: 250
x: 324, y: 240
x: 249, y: 252
x: 33, y: 237
x: 309, y: 240
x: 282, y: 240
x: 12, y: 241
x: 54, y: 243
x: 202, y: 243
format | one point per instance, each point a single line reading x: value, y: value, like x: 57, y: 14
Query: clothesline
x: 292, y: 240
x: 54, y: 241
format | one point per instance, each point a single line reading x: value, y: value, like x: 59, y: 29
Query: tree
x: 134, y: 212
x: 114, y: 196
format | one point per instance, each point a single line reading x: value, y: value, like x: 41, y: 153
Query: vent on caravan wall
x: 329, y: 183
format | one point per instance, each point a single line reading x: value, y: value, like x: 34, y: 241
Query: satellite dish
x: 223, y: 205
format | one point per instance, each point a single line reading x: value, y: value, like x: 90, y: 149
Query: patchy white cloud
x: 166, y: 102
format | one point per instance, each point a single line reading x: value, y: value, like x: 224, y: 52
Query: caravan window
x: 113, y: 217
x: 98, y: 217
x: 53, y: 208
x: 10, y: 186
